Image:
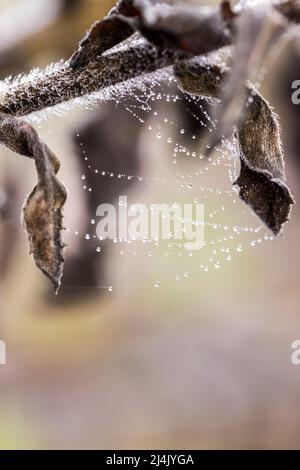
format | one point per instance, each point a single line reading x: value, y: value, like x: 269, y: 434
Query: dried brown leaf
x: 262, y: 178
x: 105, y: 34
x: 42, y: 210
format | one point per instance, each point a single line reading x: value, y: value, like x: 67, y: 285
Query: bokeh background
x: 203, y: 361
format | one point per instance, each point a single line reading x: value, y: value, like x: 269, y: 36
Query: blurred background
x: 146, y: 346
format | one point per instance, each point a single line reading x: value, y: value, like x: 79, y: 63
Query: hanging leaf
x: 42, y: 210
x: 262, y: 178
x: 178, y: 26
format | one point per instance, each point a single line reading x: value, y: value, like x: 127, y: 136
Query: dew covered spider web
x: 184, y: 175
x: 176, y: 172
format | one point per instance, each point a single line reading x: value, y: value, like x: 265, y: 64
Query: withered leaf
x: 262, y: 178
x: 42, y: 210
x: 105, y: 34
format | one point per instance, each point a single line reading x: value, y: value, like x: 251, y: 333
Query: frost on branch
x: 42, y: 210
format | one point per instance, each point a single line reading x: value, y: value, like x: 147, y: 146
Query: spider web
x: 184, y: 175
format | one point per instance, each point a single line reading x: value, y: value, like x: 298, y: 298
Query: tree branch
x: 60, y: 83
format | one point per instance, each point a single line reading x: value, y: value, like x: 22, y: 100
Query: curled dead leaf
x: 42, y: 210
x: 105, y: 34
x: 262, y: 177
